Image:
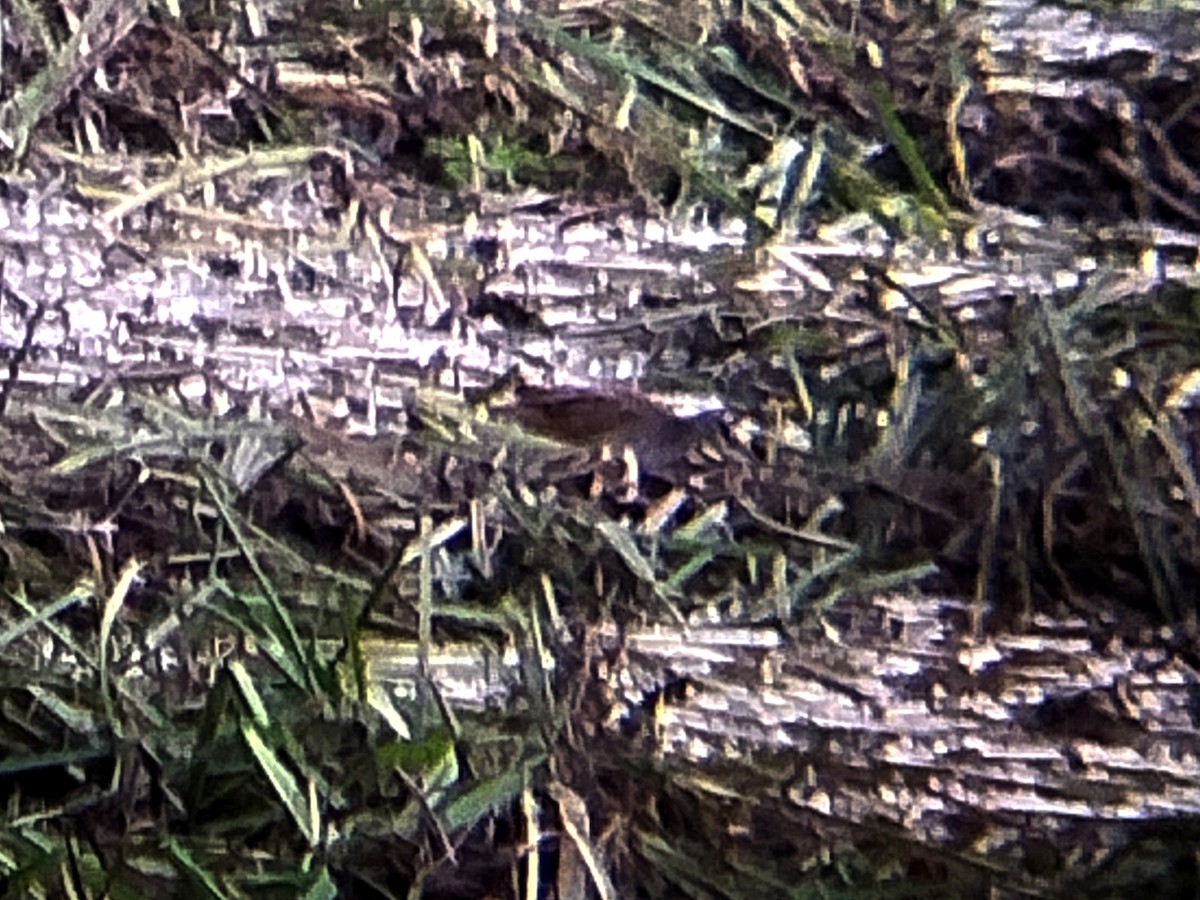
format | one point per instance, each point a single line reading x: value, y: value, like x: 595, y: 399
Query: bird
x: 613, y: 417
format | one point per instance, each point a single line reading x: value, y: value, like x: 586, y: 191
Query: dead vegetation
x: 213, y: 579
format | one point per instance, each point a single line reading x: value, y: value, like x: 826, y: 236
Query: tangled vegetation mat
x: 581, y: 450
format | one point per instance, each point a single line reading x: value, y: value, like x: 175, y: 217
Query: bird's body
x: 615, y: 418
x: 586, y: 417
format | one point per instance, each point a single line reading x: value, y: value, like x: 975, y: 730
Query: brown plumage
x: 616, y: 417
x: 579, y: 416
